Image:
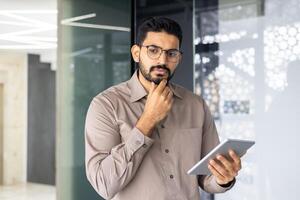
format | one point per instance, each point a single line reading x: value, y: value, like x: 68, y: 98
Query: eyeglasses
x: 154, y: 52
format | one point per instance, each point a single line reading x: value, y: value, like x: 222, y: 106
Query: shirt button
x: 167, y: 150
x: 171, y: 176
x: 144, y: 145
x: 162, y: 126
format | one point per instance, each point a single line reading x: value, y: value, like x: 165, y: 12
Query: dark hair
x: 158, y: 24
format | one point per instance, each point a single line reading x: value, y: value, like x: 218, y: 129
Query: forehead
x: 162, y: 39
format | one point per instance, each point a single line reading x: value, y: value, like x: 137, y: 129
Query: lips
x: 160, y: 71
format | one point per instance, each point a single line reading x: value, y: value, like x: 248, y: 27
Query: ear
x: 135, y: 52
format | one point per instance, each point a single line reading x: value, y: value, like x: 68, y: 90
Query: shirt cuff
x: 220, y: 188
x: 228, y: 185
x: 137, y: 140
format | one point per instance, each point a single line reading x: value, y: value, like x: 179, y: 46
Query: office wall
x: 13, y: 77
x: 1, y: 132
x: 41, y: 122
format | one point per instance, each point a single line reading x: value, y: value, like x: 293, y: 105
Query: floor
x: 28, y: 191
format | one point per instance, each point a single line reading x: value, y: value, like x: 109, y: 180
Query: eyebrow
x: 161, y: 47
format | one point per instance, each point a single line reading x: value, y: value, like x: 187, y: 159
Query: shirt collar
x: 137, y: 91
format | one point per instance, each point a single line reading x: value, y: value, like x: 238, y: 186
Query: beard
x: 156, y: 80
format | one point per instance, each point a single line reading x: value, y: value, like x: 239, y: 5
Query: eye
x: 153, y: 50
x: 173, y: 53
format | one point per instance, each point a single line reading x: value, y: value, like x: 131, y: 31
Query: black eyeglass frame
x: 163, y: 50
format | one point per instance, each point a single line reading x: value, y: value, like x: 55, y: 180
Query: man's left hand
x: 225, y: 170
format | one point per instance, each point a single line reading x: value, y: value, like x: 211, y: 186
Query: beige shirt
x: 124, y: 164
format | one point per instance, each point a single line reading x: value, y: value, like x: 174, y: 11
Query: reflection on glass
x: 246, y: 64
x: 281, y: 46
x: 94, y: 54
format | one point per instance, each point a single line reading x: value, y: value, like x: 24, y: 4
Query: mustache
x: 160, y: 67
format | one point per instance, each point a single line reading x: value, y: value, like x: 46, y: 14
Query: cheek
x: 146, y: 62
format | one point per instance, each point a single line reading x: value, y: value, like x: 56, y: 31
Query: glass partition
x: 247, y: 68
x: 93, y: 54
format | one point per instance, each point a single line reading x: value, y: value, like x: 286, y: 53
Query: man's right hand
x: 158, y: 104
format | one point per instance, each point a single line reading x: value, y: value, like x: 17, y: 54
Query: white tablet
x: 239, y: 146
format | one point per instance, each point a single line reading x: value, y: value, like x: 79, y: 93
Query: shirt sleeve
x: 110, y: 163
x: 209, y: 141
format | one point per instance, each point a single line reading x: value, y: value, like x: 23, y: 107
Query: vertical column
x: 1, y: 134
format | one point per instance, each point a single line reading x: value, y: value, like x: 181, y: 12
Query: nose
x: 162, y: 58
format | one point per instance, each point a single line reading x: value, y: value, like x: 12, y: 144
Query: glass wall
x: 93, y: 54
x: 247, y: 65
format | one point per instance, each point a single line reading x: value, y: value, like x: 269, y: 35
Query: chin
x: 157, y: 80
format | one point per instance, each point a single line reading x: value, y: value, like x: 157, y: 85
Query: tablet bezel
x: 239, y: 146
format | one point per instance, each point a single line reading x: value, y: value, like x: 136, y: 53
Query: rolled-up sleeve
x: 110, y: 162
x: 209, y: 141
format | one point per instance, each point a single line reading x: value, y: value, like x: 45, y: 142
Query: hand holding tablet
x: 240, y: 147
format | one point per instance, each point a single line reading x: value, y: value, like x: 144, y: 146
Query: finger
x: 170, y: 96
x: 221, y: 169
x: 224, y: 176
x: 215, y: 172
x: 166, y: 92
x: 170, y: 100
x: 161, y: 86
x: 235, y: 158
x: 227, y: 164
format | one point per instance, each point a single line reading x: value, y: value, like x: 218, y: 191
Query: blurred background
x: 242, y: 56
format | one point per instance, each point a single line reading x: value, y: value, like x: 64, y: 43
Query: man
x: 144, y: 134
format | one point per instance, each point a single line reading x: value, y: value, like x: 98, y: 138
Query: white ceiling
x: 29, y: 26
x: 28, y: 4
